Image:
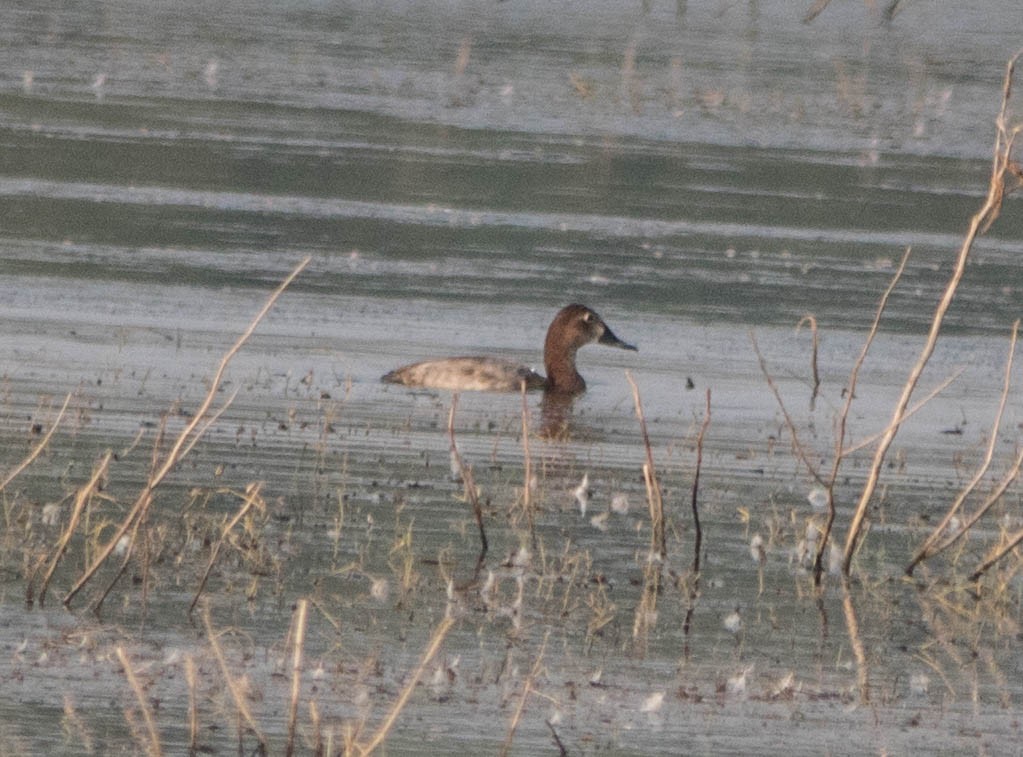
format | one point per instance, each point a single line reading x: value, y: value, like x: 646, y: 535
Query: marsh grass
x: 301, y: 645
x: 333, y: 690
x: 1004, y: 178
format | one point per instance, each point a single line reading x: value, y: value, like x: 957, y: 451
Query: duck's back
x: 481, y: 374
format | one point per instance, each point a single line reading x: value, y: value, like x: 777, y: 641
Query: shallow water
x: 458, y: 172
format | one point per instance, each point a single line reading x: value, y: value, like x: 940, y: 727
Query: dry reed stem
x: 979, y: 222
x: 431, y: 650
x: 811, y: 322
x: 653, y: 489
x: 916, y: 407
x: 318, y: 747
x: 856, y: 643
x: 468, y: 482
x: 250, y: 499
x: 829, y: 483
x: 186, y: 439
x: 887, y: 14
x: 815, y: 10
x: 193, y: 704
x: 238, y: 694
x: 694, y: 589
x: 135, y: 517
x: 81, y: 498
x: 562, y: 749
x: 153, y: 745
x: 698, y: 539
x: 301, y: 612
x: 527, y: 499
x: 40, y: 446
x: 930, y: 547
x: 843, y: 417
x: 996, y: 553
x: 647, y: 607
x: 527, y: 688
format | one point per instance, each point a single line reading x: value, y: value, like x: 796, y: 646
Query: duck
x: 573, y: 327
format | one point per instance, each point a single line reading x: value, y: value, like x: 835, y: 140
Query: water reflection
x: 556, y: 417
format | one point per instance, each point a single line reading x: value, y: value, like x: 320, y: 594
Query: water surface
x: 458, y: 172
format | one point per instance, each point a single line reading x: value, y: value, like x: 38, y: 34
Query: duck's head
x: 574, y: 326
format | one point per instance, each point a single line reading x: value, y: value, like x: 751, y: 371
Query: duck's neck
x: 562, y: 376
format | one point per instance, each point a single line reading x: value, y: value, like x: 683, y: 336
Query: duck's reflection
x: 556, y: 416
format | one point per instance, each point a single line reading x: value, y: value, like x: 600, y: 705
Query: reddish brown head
x: 573, y: 327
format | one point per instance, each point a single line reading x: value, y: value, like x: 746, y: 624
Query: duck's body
x: 472, y: 374
x: 573, y: 327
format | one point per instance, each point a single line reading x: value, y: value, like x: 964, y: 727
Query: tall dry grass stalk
x: 527, y: 473
x: 238, y: 689
x: 815, y: 343
x: 250, y: 500
x: 1003, y: 169
x: 432, y: 648
x: 82, y: 497
x: 698, y: 531
x: 40, y: 445
x: 186, y: 440
x: 653, y: 487
x: 192, y: 680
x: 797, y: 446
x: 468, y: 482
x: 940, y: 538
x: 152, y: 746
x: 298, y: 642
x: 840, y: 450
x: 694, y: 587
x: 646, y: 609
x: 527, y: 689
x: 996, y: 553
x: 856, y: 643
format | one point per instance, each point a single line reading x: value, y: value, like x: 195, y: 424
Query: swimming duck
x: 573, y: 327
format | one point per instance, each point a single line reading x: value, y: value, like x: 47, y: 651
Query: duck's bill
x: 609, y: 338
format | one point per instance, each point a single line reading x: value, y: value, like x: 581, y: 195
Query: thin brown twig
x: 815, y: 10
